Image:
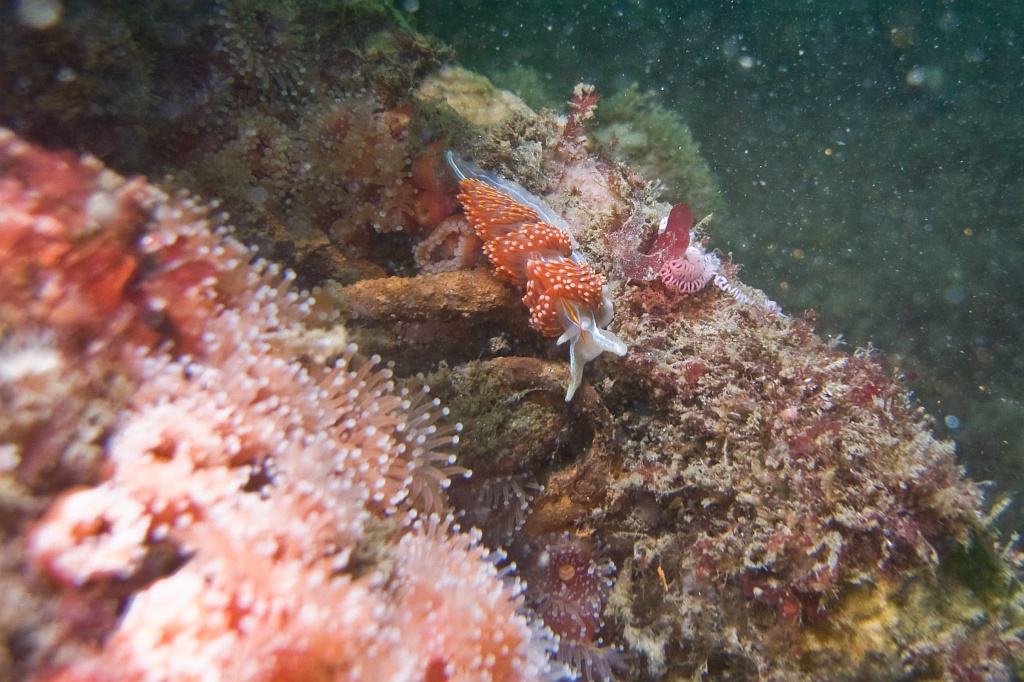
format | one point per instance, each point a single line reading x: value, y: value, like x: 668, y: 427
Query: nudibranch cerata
x: 530, y: 246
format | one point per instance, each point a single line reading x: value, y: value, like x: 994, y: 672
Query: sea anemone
x: 498, y: 505
x: 453, y: 609
x: 569, y: 581
x: 260, y: 479
x: 261, y: 44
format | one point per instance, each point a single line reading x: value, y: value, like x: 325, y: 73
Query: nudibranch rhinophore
x: 530, y: 245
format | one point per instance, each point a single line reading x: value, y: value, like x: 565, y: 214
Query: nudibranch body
x: 529, y: 245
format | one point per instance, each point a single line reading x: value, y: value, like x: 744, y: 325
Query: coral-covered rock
x: 241, y: 474
x: 473, y: 97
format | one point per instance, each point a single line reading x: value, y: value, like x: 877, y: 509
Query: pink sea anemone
x: 461, y: 612
x: 249, y: 512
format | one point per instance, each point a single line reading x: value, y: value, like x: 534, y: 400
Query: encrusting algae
x: 207, y: 474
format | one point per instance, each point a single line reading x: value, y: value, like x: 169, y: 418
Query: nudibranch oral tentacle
x: 530, y: 245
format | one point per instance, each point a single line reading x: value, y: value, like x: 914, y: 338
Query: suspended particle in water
x: 39, y: 14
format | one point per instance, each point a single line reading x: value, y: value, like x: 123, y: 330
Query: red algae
x: 673, y: 241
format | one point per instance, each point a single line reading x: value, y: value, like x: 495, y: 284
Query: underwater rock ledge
x: 732, y: 499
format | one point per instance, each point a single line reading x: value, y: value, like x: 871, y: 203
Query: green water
x: 870, y: 155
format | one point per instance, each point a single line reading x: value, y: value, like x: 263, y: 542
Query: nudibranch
x: 530, y: 246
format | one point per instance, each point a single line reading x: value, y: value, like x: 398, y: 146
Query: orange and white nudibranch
x: 531, y: 246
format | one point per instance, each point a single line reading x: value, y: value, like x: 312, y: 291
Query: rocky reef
x: 734, y: 498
